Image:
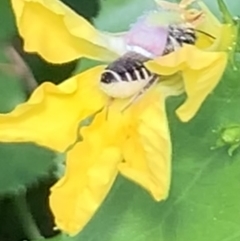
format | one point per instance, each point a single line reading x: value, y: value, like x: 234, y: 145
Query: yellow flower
x: 135, y: 143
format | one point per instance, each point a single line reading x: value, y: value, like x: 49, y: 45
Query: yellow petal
x: 201, y: 72
x: 52, y: 114
x: 59, y: 35
x: 91, y: 170
x: 205, y: 80
x: 89, y: 176
x: 147, y: 151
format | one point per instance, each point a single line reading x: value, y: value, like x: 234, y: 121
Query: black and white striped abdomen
x: 126, y: 76
x: 178, y: 35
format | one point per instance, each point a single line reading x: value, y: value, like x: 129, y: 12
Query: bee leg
x: 109, y: 102
x: 153, y: 79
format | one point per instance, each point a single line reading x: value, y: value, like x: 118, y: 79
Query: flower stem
x: 25, y: 217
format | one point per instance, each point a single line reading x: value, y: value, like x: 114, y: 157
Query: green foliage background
x: 204, y: 202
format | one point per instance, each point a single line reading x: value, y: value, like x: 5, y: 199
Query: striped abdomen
x: 126, y: 76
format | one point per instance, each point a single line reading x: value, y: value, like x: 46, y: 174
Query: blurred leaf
x: 88, y: 9
x: 60, y: 237
x: 11, y: 93
x: 233, y: 6
x: 11, y: 88
x: 117, y: 15
x: 22, y: 165
x: 9, y: 228
x: 6, y: 19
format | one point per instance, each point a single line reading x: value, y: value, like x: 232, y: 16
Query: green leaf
x: 59, y: 237
x: 233, y: 6
x: 22, y: 165
x: 11, y: 93
x: 6, y: 19
x: 126, y: 11
x: 11, y: 88
x: 88, y: 9
x: 226, y: 15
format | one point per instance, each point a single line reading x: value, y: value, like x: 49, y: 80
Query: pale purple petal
x: 152, y: 38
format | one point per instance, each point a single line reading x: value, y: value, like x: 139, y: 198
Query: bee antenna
x: 205, y: 33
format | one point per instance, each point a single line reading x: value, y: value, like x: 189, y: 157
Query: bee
x: 127, y: 76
